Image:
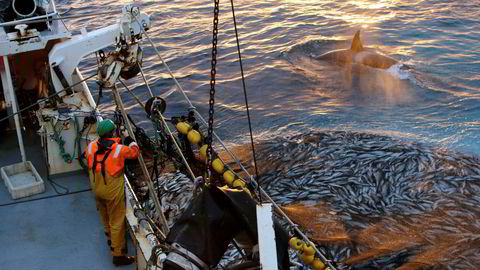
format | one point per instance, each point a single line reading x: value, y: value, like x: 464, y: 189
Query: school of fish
x: 369, y: 201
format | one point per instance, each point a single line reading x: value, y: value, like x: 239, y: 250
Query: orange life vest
x: 112, y: 159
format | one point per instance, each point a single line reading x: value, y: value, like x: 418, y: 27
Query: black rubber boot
x: 123, y: 260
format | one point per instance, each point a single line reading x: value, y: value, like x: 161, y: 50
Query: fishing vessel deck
x: 59, y: 228
x: 50, y: 230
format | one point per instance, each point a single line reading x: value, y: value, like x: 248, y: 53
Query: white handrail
x: 13, y: 99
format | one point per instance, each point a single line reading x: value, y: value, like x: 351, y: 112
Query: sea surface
x: 432, y: 97
x: 437, y: 101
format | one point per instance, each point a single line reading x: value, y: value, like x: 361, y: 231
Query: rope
x: 177, y: 146
x: 78, y: 113
x: 178, y: 85
x: 182, y: 91
x: 163, y: 62
x: 328, y: 262
x: 144, y: 79
x: 46, y: 197
x: 132, y: 94
x: 47, y: 167
x: 137, y: 203
x: 61, y: 143
x: 158, y: 207
x: 47, y: 98
x: 246, y: 98
x: 190, y: 171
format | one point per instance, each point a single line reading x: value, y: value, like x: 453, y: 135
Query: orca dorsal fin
x: 357, y: 45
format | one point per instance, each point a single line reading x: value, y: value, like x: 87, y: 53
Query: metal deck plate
x: 47, y: 231
x: 8, y: 47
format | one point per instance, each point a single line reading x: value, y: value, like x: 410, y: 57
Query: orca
x: 358, y: 54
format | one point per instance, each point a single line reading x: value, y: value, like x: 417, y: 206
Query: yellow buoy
x: 318, y: 264
x: 293, y: 242
x: 308, y: 249
x: 194, y: 136
x: 203, y: 151
x: 217, y: 165
x: 298, y: 244
x: 229, y: 177
x: 183, y: 127
x: 308, y: 259
x: 238, y: 183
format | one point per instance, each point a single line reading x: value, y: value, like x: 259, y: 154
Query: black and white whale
x: 358, y: 54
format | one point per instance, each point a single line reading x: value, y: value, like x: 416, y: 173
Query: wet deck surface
x: 50, y: 230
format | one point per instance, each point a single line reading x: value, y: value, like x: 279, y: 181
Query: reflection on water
x: 432, y: 239
x: 374, y: 202
x: 442, y: 50
x: 435, y: 102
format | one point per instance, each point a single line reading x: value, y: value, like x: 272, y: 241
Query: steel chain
x: 212, y: 89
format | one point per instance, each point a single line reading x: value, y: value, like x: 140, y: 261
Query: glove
x: 124, y: 131
x: 128, y: 140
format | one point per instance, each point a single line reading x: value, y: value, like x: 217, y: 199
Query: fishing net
x: 429, y: 240
x: 376, y: 202
x: 372, y: 201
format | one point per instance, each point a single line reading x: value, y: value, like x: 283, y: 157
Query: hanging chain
x: 212, y: 89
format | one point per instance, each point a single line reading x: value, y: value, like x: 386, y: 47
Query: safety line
x: 246, y: 98
x: 170, y: 133
x: 47, y: 98
x: 191, y: 105
x: 132, y: 94
x: 234, y: 157
x: 145, y: 80
x: 143, y: 166
x: 46, y: 197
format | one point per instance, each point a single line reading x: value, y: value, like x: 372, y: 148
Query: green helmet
x: 105, y: 126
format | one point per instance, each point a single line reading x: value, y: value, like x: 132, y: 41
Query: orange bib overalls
x: 106, y: 169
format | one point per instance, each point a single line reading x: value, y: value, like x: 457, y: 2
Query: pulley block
x: 155, y: 104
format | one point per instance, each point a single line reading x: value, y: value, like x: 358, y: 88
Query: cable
x: 144, y: 79
x: 132, y: 94
x: 47, y: 98
x: 191, y: 105
x: 52, y: 183
x: 93, y: 113
x: 46, y: 197
x: 246, y: 99
x: 61, y: 19
x: 170, y: 133
x: 328, y: 262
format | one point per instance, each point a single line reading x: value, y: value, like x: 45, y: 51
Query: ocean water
x: 436, y: 101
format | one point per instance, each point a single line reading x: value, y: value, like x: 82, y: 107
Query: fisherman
x: 106, y: 157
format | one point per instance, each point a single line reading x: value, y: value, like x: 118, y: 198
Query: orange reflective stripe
x: 115, y: 161
x: 131, y: 151
x: 117, y: 150
x: 90, y: 146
